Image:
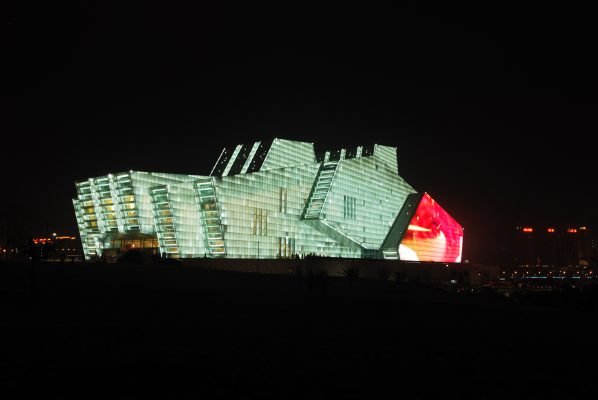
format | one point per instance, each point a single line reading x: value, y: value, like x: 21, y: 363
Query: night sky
x: 493, y: 110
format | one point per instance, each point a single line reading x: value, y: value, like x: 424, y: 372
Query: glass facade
x: 275, y: 199
x: 432, y: 235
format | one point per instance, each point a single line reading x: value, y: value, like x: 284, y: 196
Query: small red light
x: 528, y: 230
x: 550, y: 230
x: 572, y: 230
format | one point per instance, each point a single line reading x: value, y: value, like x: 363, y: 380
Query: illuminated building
x: 552, y: 246
x: 276, y: 199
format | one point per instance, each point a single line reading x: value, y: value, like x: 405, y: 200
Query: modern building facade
x: 274, y: 199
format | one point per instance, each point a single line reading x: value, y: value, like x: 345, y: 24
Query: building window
x: 349, y: 207
x: 282, y: 200
x: 286, y: 247
x: 260, y: 222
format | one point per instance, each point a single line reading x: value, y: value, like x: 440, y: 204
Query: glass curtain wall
x: 262, y: 200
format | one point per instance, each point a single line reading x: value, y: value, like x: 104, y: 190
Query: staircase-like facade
x: 164, y: 221
x: 213, y: 232
x: 319, y: 191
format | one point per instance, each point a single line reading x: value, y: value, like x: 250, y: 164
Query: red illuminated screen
x: 432, y: 235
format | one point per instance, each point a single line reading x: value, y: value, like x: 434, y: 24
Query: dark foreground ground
x: 115, y: 331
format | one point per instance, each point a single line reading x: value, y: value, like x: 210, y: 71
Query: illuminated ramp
x: 329, y: 229
x: 423, y: 231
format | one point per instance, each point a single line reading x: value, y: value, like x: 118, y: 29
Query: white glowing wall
x: 288, y: 204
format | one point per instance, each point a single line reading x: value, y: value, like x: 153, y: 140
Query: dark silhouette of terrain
x: 94, y: 330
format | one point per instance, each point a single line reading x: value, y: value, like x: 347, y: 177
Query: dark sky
x: 492, y: 108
